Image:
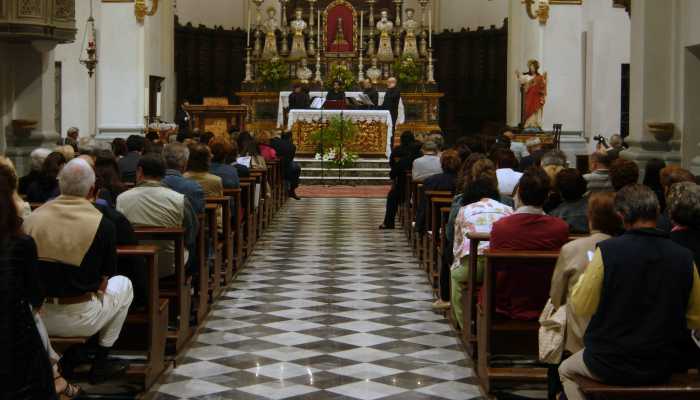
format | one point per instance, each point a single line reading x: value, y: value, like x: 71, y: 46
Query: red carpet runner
x: 343, y: 191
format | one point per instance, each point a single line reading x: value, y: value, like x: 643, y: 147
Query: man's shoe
x: 441, y: 305
x: 73, y: 357
x: 383, y: 227
x: 293, y: 195
x: 107, y: 369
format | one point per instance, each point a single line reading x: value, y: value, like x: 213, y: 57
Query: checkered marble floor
x: 328, y: 307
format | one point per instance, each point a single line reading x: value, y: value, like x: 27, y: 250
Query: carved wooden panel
x: 30, y: 8
x: 208, y: 62
x: 3, y: 10
x: 64, y: 10
x: 471, y: 71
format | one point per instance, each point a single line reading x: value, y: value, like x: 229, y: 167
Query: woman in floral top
x: 481, y: 209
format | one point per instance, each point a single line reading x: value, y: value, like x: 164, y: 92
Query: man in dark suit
x: 392, y: 97
x: 370, y: 91
x: 182, y: 117
x: 337, y: 93
x: 299, y: 98
x: 286, y: 151
x: 128, y: 163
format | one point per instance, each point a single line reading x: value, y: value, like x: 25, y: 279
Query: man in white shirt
x: 508, y: 178
x: 427, y: 165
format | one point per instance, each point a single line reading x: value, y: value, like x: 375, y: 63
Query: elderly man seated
x: 151, y: 203
x: 427, y: 165
x: 77, y: 254
x: 176, y: 156
x: 642, y: 293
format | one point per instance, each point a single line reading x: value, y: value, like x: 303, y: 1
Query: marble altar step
x: 363, y: 172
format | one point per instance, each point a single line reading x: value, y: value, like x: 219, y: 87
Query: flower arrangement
x: 333, y: 141
x: 407, y: 71
x: 340, y: 72
x: 274, y: 73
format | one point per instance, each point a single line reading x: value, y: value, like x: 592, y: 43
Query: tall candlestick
x: 361, y: 29
x: 430, y: 27
x: 318, y: 31
x: 248, y: 30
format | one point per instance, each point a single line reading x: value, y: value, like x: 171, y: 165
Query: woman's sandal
x: 71, y: 391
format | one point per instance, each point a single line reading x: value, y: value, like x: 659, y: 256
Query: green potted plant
x: 333, y: 142
x: 341, y: 73
x: 274, y: 74
x: 407, y: 71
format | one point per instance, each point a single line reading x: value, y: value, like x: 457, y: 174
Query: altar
x: 319, y: 42
x: 374, y: 126
x: 283, y: 104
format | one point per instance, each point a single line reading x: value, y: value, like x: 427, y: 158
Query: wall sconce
x: 537, y: 9
x: 141, y: 10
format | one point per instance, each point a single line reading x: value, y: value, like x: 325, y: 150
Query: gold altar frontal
x: 370, y: 140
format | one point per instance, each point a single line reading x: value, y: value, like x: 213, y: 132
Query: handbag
x: 552, y: 333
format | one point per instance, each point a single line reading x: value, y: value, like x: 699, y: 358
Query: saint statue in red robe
x: 534, y: 87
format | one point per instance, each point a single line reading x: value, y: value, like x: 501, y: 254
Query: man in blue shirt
x: 176, y: 155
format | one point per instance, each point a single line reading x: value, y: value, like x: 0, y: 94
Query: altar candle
x: 145, y: 102
x: 158, y: 100
x: 362, y: 13
x: 430, y: 27
x: 318, y: 29
x: 248, y: 39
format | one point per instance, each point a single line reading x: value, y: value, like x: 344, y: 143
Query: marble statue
x: 270, y: 27
x: 411, y: 27
x: 304, y: 72
x: 385, y: 28
x: 374, y: 72
x: 298, y: 26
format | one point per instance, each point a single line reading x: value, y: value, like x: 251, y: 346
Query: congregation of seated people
x: 89, y: 197
x: 628, y: 241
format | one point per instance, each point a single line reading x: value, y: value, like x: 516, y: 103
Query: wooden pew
x: 443, y: 216
x: 680, y: 386
x: 212, y: 243
x: 469, y: 294
x: 237, y: 229
x: 183, y: 286
x: 435, y: 201
x: 416, y: 192
x: 500, y: 335
x: 247, y: 213
x: 226, y: 267
x: 259, y: 176
x: 203, y: 306
x: 152, y: 323
x: 256, y: 194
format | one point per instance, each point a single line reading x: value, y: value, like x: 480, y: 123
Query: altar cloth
x: 284, y: 103
x: 376, y: 122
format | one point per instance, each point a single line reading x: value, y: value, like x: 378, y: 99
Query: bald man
x: 392, y: 97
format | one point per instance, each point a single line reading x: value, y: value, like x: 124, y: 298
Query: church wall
x: 77, y: 88
x: 226, y: 13
x: 581, y: 48
x: 160, y: 57
x: 458, y: 14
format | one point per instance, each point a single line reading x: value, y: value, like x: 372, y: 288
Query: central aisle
x: 328, y: 307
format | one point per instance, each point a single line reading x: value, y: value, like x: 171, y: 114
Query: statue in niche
x: 534, y: 91
x: 385, y: 28
x: 270, y: 27
x: 339, y: 39
x: 410, y: 26
x: 298, y: 26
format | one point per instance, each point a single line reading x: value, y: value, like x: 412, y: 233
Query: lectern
x: 217, y: 116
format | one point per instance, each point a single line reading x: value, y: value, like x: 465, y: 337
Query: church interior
x: 350, y: 199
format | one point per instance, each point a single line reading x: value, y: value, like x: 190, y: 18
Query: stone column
x: 47, y: 126
x: 652, y: 76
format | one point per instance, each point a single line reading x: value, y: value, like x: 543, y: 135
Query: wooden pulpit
x: 217, y: 116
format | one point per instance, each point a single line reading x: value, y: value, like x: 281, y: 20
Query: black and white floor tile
x: 328, y: 307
